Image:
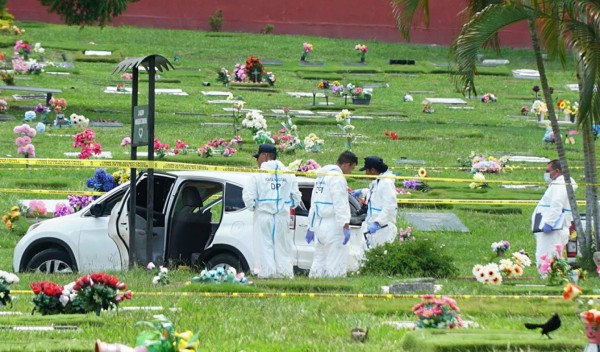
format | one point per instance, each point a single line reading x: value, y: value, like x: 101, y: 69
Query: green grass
x: 300, y: 322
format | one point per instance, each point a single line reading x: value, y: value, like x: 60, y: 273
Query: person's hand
x: 374, y: 227
x: 346, y: 235
x: 357, y: 193
x: 547, y: 228
x: 310, y: 236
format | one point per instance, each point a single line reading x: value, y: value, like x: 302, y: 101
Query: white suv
x: 199, y: 219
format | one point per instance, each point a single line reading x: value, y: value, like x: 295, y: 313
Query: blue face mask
x: 547, y: 177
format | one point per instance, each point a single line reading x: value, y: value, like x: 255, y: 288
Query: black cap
x: 374, y: 162
x: 265, y: 148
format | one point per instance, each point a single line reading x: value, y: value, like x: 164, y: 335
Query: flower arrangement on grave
x: 160, y: 336
x: 306, y: 49
x: 100, y: 291
x: 219, y: 275
x: 126, y: 141
x: 121, y: 87
x: 337, y: 88
x: 480, y: 163
x: 428, y: 109
x: 205, y: 151
x: 270, y: 78
x: 548, y: 134
x: 418, y: 184
x: 6, y: 279
x: 263, y: 137
x: 478, y: 181
x: 78, y: 202
x: 254, y: 69
x: 29, y: 116
x: 254, y: 121
x: 343, y: 122
x: 22, y: 49
x: 127, y: 75
x: 86, y: 140
x: 224, y: 76
x: 58, y: 105
x: 494, y: 274
x: 8, y: 78
x: 121, y: 176
x: 62, y: 209
x: 362, y: 51
x: 3, y: 106
x: 79, y: 120
x: 391, y: 135
x: 36, y: 208
x: 161, y: 149
x: 313, y: 144
x: 323, y: 85
x: 43, y: 111
x: 47, y: 297
x: 10, y: 217
x: 102, y: 181
x: 160, y: 274
x: 180, y: 147
x: 563, y: 105
x: 359, y: 92
x: 556, y: 268
x: 308, y: 166
x: 239, y: 73
x: 237, y: 113
x: 407, y: 98
x: 405, y: 235
x: 539, y: 108
x: 440, y: 313
x: 23, y: 142
x: 524, y: 110
x: 500, y: 247
x: 286, y: 142
x: 489, y: 98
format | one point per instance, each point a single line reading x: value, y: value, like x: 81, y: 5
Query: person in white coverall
x: 270, y: 196
x: 329, y: 218
x: 382, y: 206
x: 553, y: 204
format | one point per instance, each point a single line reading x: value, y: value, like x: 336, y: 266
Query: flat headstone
x: 401, y: 62
x: 526, y: 74
x: 421, y: 92
x: 10, y: 313
x: 413, y: 286
x: 21, y: 97
x: 376, y: 85
x: 6, y: 117
x: 191, y: 113
x: 224, y: 101
x: 216, y: 124
x: 409, y: 161
x: 108, y: 111
x: 494, y: 62
x: 354, y: 64
x: 272, y: 62
x: 243, y: 110
x: 521, y: 186
x: 145, y: 154
x: 57, y: 73
x: 441, y: 64
x: 67, y: 65
x: 305, y: 94
x: 39, y: 328
x: 335, y: 134
x: 411, y: 325
x: 460, y: 107
x: 560, y: 122
x: 297, y: 112
x: 428, y: 221
x: 97, y: 53
x: 103, y: 155
x: 573, y: 87
x: 127, y: 90
x: 312, y: 63
x: 361, y: 117
x: 444, y: 101
x: 215, y: 93
x: 104, y: 124
x: 528, y: 159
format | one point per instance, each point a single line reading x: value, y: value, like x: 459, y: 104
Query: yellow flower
x: 422, y: 172
x: 8, y: 224
x: 14, y: 208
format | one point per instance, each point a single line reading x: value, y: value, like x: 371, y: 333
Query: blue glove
x: 374, y: 227
x: 310, y: 236
x: 547, y: 228
x: 346, y: 236
x: 357, y: 193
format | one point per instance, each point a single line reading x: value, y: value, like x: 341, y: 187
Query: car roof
x: 235, y: 177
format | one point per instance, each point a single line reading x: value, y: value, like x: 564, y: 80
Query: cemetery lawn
x: 294, y: 323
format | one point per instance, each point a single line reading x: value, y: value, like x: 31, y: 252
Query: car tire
x: 50, y: 261
x: 225, y: 260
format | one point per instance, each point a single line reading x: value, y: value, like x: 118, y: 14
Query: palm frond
x: 404, y: 13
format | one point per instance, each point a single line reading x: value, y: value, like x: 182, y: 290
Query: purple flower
x: 62, y: 209
x: 411, y: 184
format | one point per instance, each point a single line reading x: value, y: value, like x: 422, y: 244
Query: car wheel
x: 50, y: 261
x: 225, y: 261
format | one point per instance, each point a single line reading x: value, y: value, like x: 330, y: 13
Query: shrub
x: 421, y: 257
x: 216, y: 21
x: 268, y: 29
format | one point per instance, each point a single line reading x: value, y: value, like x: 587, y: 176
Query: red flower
x: 36, y: 287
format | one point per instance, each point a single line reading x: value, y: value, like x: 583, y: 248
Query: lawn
x: 299, y: 321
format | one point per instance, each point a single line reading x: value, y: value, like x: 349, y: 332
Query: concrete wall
x: 358, y: 19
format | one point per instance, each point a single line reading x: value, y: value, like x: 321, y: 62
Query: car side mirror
x: 97, y: 209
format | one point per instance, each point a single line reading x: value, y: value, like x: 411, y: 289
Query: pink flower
x: 37, y: 208
x: 150, y: 266
x: 125, y: 142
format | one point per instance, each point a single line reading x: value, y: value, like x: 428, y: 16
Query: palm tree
x: 559, y: 20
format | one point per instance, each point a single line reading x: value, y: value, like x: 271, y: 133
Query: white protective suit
x: 553, y: 203
x: 382, y: 208
x: 270, y: 196
x: 329, y: 212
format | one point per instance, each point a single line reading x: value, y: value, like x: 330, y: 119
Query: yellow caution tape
x: 50, y: 191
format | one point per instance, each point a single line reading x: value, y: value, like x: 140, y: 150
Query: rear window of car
x: 233, y: 198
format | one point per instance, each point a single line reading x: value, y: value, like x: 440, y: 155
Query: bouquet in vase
x: 100, y: 291
x: 438, y: 313
x: 6, y: 279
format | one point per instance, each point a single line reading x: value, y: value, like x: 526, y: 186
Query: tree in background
x: 5, y: 17
x: 87, y: 12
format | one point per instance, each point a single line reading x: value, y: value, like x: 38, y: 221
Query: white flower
x: 408, y: 98
x: 150, y: 266
x: 231, y: 270
x: 343, y: 115
x: 164, y: 270
x: 64, y: 299
x: 155, y: 279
